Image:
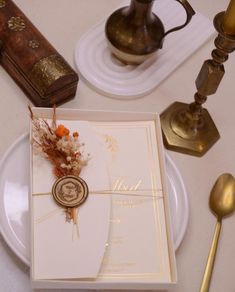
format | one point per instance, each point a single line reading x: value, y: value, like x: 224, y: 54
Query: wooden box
x: 35, y: 65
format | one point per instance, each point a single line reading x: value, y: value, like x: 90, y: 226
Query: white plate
x: 14, y: 187
x: 109, y: 76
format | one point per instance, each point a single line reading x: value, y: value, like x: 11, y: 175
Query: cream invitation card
x: 123, y: 235
x: 137, y: 247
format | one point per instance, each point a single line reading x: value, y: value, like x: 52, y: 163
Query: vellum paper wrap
x: 63, y: 250
x: 137, y: 247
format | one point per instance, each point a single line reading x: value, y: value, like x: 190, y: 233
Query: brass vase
x: 134, y: 33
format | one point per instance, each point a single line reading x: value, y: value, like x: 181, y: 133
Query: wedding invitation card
x: 122, y: 236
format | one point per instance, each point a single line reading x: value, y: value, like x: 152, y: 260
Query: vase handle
x: 189, y: 12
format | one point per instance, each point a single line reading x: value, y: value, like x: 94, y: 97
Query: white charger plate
x: 14, y: 188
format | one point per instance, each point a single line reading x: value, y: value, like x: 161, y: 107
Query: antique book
x: 35, y: 65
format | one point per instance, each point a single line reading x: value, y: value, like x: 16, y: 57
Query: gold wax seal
x: 70, y: 191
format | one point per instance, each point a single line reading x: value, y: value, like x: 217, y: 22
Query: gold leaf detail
x: 2, y: 3
x: 33, y: 44
x: 16, y: 24
x: 111, y: 144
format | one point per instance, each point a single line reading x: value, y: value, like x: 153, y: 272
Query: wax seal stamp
x: 70, y: 191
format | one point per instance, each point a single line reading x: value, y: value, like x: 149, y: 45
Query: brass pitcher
x: 134, y: 33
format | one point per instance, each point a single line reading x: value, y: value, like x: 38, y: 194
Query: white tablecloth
x: 63, y: 22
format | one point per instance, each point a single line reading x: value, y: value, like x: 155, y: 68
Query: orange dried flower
x: 75, y: 134
x: 61, y: 131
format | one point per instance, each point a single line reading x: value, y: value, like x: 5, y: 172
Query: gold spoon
x: 222, y: 204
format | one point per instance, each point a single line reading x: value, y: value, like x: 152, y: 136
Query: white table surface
x: 63, y: 22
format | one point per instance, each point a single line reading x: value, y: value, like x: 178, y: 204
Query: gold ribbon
x: 122, y: 193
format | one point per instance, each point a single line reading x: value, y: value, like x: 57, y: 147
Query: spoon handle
x: 211, y: 259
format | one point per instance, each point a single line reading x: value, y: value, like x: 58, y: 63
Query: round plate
x: 14, y: 188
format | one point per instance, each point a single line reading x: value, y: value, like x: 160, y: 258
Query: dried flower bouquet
x: 61, y: 148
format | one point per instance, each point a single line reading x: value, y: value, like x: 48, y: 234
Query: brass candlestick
x: 189, y: 128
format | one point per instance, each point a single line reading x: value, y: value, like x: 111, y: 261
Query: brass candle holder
x: 189, y: 128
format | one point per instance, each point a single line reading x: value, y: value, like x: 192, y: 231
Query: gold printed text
x: 120, y: 185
